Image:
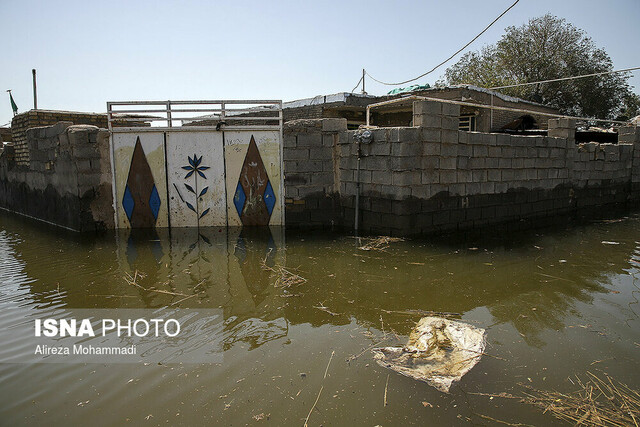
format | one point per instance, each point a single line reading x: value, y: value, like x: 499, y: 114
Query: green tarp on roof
x: 408, y: 89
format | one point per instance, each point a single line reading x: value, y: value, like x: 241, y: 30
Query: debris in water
x: 380, y: 243
x: 598, y: 402
x: 284, y: 277
x: 439, y: 351
x: 605, y: 242
x: 261, y: 416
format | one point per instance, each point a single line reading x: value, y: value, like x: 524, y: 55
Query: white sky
x: 90, y: 52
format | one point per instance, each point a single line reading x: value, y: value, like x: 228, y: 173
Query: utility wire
x: 357, y: 84
x: 567, y: 78
x: 449, y: 58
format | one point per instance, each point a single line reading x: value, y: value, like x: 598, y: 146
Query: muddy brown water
x: 555, y: 303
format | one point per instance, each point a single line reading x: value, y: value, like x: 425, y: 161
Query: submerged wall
x: 67, y: 181
x: 433, y: 178
x: 40, y: 118
x: 424, y: 179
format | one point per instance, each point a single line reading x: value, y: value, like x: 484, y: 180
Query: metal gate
x: 196, y: 163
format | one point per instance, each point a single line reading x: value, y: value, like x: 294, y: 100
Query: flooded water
x: 554, y: 303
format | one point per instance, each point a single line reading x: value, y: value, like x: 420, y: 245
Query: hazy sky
x: 90, y: 52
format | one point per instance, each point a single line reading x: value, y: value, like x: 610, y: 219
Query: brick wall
x: 37, y: 118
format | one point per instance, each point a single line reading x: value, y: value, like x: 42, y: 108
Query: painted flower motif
x: 194, y: 166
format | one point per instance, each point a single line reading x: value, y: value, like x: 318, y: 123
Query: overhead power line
x: 449, y: 58
x: 357, y: 84
x: 566, y: 78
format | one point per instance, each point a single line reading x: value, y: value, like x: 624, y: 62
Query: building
x: 352, y: 107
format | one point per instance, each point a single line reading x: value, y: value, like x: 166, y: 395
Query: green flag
x: 14, y: 107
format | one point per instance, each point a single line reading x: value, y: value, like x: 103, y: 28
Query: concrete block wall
x: 432, y: 177
x: 68, y: 180
x: 311, y: 175
x: 631, y: 135
x: 38, y: 118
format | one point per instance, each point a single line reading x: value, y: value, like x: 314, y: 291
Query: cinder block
x: 289, y: 141
x: 427, y: 108
x: 508, y: 175
x: 490, y: 139
x: 309, y: 140
x: 430, y: 162
x: 334, y: 125
x: 480, y: 151
x: 494, y: 151
x: 493, y: 175
x: 504, y: 163
x: 487, y: 188
x: 463, y: 137
x: 472, y: 188
x: 475, y: 138
x: 89, y: 151
x: 309, y: 166
x: 428, y: 121
x: 405, y: 163
x: 296, y: 153
x: 381, y: 148
x: 517, y: 163
x: 329, y: 140
x: 322, y: 153
x: 451, y: 123
x: 451, y: 110
x: 449, y: 150
x: 464, y: 176
x: 406, y: 149
x: 397, y: 193
x: 430, y: 177
x: 447, y: 163
x: 431, y: 135
x: 479, y: 176
x: 406, y: 178
x: 503, y: 139
x: 421, y: 191
x: 491, y: 162
x: 519, y: 174
x: 322, y: 179
x: 450, y: 136
x: 431, y: 148
x: 477, y: 163
x: 375, y: 163
x: 448, y: 176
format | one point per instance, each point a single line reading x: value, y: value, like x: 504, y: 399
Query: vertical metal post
x: 35, y: 92
x: 357, y: 214
x: 363, y: 73
x: 169, y: 114
x: 491, y: 115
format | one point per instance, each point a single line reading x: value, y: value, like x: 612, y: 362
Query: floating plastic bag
x: 439, y: 352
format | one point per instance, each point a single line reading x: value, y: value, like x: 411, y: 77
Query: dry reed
x: 379, y: 243
x: 598, y: 402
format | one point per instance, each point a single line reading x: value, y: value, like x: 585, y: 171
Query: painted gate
x: 220, y: 169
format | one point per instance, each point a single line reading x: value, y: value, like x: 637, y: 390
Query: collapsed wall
x: 433, y: 178
x: 67, y: 181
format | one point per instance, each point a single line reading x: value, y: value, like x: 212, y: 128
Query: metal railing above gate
x: 195, y: 115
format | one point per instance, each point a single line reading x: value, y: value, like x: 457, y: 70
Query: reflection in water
x: 552, y: 302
